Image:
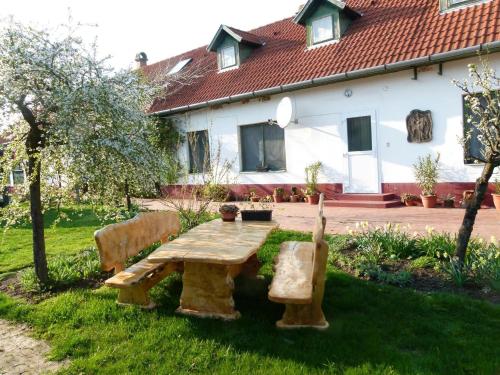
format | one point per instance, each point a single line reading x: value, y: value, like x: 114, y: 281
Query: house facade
x: 370, y: 88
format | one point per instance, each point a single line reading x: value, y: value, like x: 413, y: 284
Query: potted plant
x: 229, y: 212
x: 467, y: 198
x: 311, y: 191
x: 294, y: 195
x: 253, y: 196
x: 409, y: 199
x: 278, y: 195
x: 496, y: 194
x: 448, y: 201
x: 262, y: 214
x: 426, y: 174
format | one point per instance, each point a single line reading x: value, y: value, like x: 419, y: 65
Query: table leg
x: 207, y: 291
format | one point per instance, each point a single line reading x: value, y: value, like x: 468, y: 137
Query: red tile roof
x: 389, y: 31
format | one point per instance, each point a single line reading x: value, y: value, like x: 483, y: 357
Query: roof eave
x: 212, y: 47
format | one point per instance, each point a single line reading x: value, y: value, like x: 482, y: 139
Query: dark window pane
x: 274, y: 147
x: 199, y: 151
x: 18, y: 177
x: 473, y: 148
x: 359, y: 134
x: 252, y: 147
x: 262, y: 146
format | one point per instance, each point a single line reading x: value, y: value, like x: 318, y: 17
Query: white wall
x: 321, y: 135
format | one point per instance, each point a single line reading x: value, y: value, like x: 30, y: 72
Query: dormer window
x: 322, y: 29
x: 227, y: 57
x: 325, y: 20
x: 232, y: 46
x: 453, y: 4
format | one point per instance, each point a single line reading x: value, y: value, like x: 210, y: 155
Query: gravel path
x: 21, y: 354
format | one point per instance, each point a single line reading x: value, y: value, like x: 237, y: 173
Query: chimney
x: 142, y: 59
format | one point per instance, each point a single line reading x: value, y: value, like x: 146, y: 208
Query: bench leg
x: 139, y: 294
x: 303, y: 316
x: 207, y: 291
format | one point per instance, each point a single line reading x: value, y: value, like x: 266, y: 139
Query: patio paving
x: 300, y: 216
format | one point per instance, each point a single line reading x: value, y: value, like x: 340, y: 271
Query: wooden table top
x: 216, y: 242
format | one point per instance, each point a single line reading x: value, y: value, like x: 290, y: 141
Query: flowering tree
x: 80, y: 127
x: 482, y: 97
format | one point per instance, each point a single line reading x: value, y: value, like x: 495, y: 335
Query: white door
x: 362, y: 163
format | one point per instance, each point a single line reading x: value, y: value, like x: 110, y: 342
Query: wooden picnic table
x: 214, y: 253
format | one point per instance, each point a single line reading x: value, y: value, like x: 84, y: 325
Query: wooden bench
x: 118, y: 242
x: 299, y: 280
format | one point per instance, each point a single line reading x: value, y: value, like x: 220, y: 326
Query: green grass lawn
x: 374, y: 329
x: 68, y: 237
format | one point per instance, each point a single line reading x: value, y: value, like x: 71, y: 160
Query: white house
x: 355, y: 72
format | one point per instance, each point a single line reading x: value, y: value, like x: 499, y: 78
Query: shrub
x: 426, y: 173
x: 216, y: 192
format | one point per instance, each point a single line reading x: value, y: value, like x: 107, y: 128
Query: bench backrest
x: 320, y: 255
x: 118, y: 242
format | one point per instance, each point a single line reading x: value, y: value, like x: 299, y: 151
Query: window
x: 359, y: 134
x: 179, y: 66
x: 199, y: 151
x: 227, y: 57
x: 262, y: 148
x: 473, y: 148
x: 322, y: 29
x: 18, y: 176
x: 448, y: 4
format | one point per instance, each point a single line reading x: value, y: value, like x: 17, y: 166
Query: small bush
x: 216, y: 192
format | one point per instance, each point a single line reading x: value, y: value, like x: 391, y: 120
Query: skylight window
x: 179, y: 66
x: 322, y: 29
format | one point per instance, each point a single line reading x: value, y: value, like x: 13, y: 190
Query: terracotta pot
x: 229, y: 216
x: 410, y: 203
x: 255, y: 199
x: 429, y: 201
x: 294, y: 198
x: 313, y: 199
x: 496, y: 201
x: 278, y: 198
x: 449, y: 204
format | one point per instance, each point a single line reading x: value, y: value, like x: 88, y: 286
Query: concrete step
x: 366, y: 197
x: 364, y: 203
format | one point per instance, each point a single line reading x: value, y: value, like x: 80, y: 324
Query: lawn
x: 374, y: 329
x: 68, y: 237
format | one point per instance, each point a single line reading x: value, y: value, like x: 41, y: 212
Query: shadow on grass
x: 371, y: 326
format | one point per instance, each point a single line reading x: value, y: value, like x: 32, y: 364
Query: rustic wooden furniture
x: 118, y: 242
x: 213, y: 254
x: 299, y: 280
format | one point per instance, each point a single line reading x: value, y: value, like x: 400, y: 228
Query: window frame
x: 191, y: 169
x: 241, y: 147
x: 315, y: 43
x: 221, y: 56
x: 449, y: 5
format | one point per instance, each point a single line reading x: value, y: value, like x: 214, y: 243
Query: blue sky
x: 159, y: 28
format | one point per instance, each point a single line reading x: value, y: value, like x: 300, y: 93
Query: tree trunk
x: 127, y: 197
x: 33, y: 143
x: 470, y: 212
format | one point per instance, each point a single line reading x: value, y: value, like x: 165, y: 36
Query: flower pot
x: 313, y: 199
x: 229, y: 216
x: 410, y: 203
x: 449, y: 204
x: 256, y: 215
x: 278, y: 198
x: 496, y: 201
x: 255, y: 199
x: 294, y: 198
x: 429, y: 201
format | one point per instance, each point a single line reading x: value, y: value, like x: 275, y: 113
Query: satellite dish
x: 285, y: 113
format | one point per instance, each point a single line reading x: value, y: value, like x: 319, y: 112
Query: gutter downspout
x: 355, y: 74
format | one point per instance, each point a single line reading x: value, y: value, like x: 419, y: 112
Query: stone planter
x: 496, y: 201
x: 313, y: 199
x: 429, y: 201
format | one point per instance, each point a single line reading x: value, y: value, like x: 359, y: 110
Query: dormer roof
x: 311, y: 6
x: 238, y: 35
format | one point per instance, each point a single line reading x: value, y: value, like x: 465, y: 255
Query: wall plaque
x: 419, y: 126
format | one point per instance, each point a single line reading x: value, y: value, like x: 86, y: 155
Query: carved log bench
x: 299, y: 280
x: 118, y: 242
